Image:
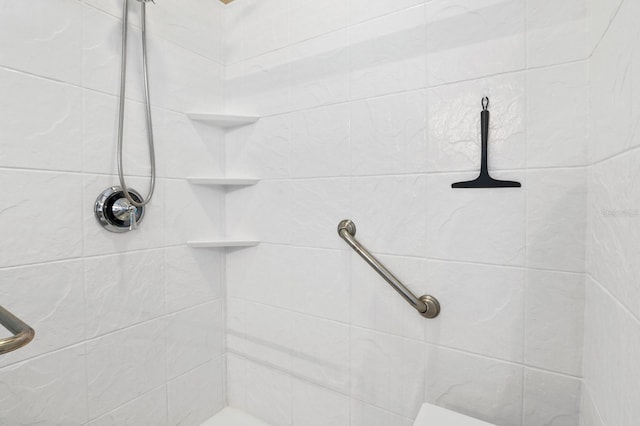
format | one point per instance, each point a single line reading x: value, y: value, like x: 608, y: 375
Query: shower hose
x: 123, y: 78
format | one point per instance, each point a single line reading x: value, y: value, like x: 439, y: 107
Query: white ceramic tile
x: 41, y: 217
x: 380, y: 204
x: 183, y: 148
x: 101, y: 52
x: 43, y: 38
x: 554, y: 324
x: 368, y: 415
x: 100, y: 135
x: 320, y: 282
x: 609, y: 225
x: 317, y: 207
x: 556, y: 220
x: 193, y: 212
x: 232, y: 23
x: 114, y: 7
x: 388, y: 134
x: 149, y: 409
x: 363, y: 10
x: 48, y: 297
x: 635, y: 86
x: 604, y: 347
x: 182, y: 80
x: 469, y: 38
x: 557, y: 115
x: 630, y: 291
x: 556, y: 32
x: 601, y: 13
x: 310, y: 18
x: 195, y: 25
x: 259, y: 332
x: 611, y: 105
x: 123, y: 290
x: 320, y: 142
x: 453, y: 124
x: 377, y: 306
x: 387, y: 54
x: 260, y: 85
x: 270, y: 396
x: 320, y: 70
x: 267, y: 280
x: 45, y: 134
x: 265, y: 27
x: 193, y: 276
x: 236, y: 381
x: 179, y: 79
x: 492, y: 327
x: 262, y: 149
x: 551, y: 399
x: 194, y: 336
x: 479, y: 387
x: 122, y: 365
x: 272, y: 199
x: 387, y: 371
x: 589, y: 415
x: 186, y: 148
x: 320, y: 352
x: 311, y: 403
x: 51, y: 389
x: 630, y: 384
x: 197, y: 395
x: 150, y: 232
x: 475, y: 225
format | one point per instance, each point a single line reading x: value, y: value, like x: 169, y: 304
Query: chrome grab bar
x: 428, y: 306
x: 22, y: 333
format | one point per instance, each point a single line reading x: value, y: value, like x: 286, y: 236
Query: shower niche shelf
x: 222, y: 181
x: 222, y: 243
x: 224, y: 121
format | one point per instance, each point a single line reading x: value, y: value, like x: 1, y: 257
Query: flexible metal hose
x: 123, y: 81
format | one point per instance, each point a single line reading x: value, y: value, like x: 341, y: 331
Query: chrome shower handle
x: 133, y: 223
x: 427, y: 306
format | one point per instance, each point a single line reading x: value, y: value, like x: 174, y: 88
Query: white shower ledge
x: 233, y: 417
x: 223, y: 120
x: 226, y: 181
x: 222, y: 243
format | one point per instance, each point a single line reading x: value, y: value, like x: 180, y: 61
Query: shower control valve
x: 116, y: 213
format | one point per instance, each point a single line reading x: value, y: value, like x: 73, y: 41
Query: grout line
x: 154, y: 33
x: 409, y: 339
x: 613, y: 297
x: 417, y: 257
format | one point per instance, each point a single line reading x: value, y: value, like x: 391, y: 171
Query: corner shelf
x: 222, y: 243
x: 224, y: 121
x: 223, y: 181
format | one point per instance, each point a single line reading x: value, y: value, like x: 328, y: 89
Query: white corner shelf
x: 222, y: 243
x: 224, y: 121
x: 223, y: 181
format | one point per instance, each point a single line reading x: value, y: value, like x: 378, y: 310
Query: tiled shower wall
x: 129, y: 328
x: 612, y: 317
x: 370, y: 111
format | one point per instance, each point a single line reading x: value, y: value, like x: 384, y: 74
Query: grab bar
x: 22, y: 333
x: 428, y: 306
